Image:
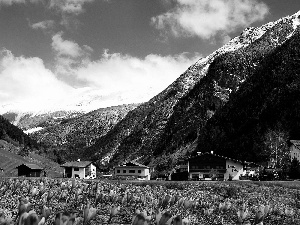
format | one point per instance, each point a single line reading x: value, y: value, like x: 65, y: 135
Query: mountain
x: 33, y: 116
x: 71, y: 136
x: 32, y: 121
x: 16, y: 148
x: 216, y: 103
x: 15, y: 135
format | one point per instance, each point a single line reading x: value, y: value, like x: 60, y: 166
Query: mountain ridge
x: 172, y: 120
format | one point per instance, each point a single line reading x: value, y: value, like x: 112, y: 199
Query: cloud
x: 27, y: 80
x: 68, y: 54
x: 112, y: 80
x: 69, y: 9
x: 43, y: 25
x: 119, y: 73
x: 10, y: 2
x: 74, y: 7
x: 206, y: 18
x: 65, y: 47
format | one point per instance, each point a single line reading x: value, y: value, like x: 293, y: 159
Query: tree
x: 276, y: 147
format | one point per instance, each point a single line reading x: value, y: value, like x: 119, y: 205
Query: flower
x: 163, y: 219
x: 88, y: 213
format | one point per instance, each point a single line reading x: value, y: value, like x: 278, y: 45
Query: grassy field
x: 153, y: 202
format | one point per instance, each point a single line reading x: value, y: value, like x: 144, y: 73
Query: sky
x: 126, y: 51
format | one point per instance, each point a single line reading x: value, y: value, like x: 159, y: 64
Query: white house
x: 206, y: 165
x: 295, y: 149
x: 133, y: 169
x: 79, y: 169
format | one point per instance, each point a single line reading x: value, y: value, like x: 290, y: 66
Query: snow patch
x: 32, y: 130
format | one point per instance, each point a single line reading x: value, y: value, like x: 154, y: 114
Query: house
x: 295, y: 149
x: 251, y: 170
x: 206, y: 166
x: 182, y: 166
x: 133, y: 169
x: 29, y: 170
x: 79, y: 169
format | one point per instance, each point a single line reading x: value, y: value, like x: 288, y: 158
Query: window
x: 76, y: 169
x: 124, y: 171
x: 131, y: 171
x: 139, y: 171
x: 118, y: 171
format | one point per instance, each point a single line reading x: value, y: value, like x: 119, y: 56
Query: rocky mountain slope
x: 31, y: 122
x: 178, y: 121
x: 71, y: 136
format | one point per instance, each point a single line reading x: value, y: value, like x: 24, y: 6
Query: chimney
x: 78, y: 160
x: 211, y: 152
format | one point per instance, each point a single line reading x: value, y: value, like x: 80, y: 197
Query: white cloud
x: 10, y: 2
x: 65, y: 47
x: 43, y: 25
x: 27, y: 80
x: 69, y: 55
x: 69, y: 9
x: 113, y: 79
x: 115, y: 73
x: 69, y: 6
x: 206, y: 18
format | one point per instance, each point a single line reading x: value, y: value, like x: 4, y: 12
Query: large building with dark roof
x: 209, y: 165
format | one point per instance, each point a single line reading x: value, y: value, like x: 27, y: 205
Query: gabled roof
x: 31, y: 166
x: 296, y: 143
x: 80, y: 164
x: 220, y: 156
x: 133, y: 164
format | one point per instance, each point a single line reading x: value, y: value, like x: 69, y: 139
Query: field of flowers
x: 67, y: 202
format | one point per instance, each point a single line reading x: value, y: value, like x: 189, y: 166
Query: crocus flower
x: 163, y: 219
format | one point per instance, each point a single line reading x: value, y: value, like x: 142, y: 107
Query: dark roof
x: 81, y: 164
x: 220, y: 156
x: 296, y: 143
x: 133, y: 164
x: 31, y: 166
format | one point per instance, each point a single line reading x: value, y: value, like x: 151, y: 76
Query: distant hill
x: 16, y: 148
x: 69, y: 138
x: 10, y: 160
x: 15, y: 135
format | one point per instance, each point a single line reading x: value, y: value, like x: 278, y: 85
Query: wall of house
x: 202, y: 166
x: 90, y: 172
x: 78, y: 171
x: 141, y: 172
x: 234, y: 169
x: 295, y: 152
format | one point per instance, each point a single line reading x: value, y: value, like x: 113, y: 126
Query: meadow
x: 66, y: 202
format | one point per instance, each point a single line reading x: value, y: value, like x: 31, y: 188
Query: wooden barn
x: 29, y: 170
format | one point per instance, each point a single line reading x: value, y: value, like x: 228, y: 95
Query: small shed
x: 29, y: 170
